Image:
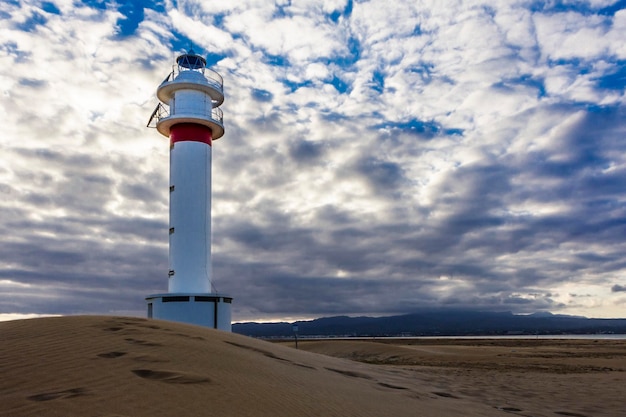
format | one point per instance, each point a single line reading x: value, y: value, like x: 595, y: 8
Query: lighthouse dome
x: 191, y: 61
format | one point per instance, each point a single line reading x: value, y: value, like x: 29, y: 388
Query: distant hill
x: 438, y: 323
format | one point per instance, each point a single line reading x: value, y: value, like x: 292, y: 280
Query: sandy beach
x: 528, y: 377
x: 120, y: 366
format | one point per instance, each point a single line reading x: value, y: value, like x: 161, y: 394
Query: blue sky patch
x: 525, y: 80
x: 378, y: 81
x: 213, y: 58
x: 345, y: 13
x: 560, y: 7
x: 615, y: 80
x: 180, y: 42
x: 95, y: 4
x: 418, y: 127
x: 282, y: 11
x: 218, y: 20
x: 35, y: 19
x: 453, y: 132
x: 339, y: 84
x: 132, y: 11
x: 133, y: 16
x: 293, y: 86
x: 612, y: 9
x: 277, y: 60
x: 424, y: 69
x: 262, y: 95
x: 334, y: 16
x: 48, y: 7
x: 353, y: 55
x: 576, y: 64
x: 582, y: 7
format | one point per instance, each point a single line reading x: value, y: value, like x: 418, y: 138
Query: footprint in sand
x: 55, y: 395
x: 383, y: 384
x: 444, y: 394
x: 351, y: 374
x: 268, y: 354
x: 114, y: 415
x: 149, y: 358
x: 509, y: 409
x: 113, y: 329
x: 142, y: 342
x: 111, y: 355
x: 171, y: 377
x: 189, y: 337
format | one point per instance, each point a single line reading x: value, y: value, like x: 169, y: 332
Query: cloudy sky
x: 379, y: 156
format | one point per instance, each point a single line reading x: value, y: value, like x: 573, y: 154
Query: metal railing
x: 159, y: 113
x: 212, y: 77
x: 162, y: 112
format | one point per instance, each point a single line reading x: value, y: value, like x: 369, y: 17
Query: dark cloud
x: 304, y: 151
x: 12, y: 49
x: 140, y: 192
x: 332, y: 215
x: 382, y: 175
x: 92, y: 267
x: 618, y: 288
x: 527, y: 80
x: 33, y: 83
x: 474, y: 224
x: 275, y: 293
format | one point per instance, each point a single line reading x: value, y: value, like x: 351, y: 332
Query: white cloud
x: 16, y: 316
x: 571, y: 35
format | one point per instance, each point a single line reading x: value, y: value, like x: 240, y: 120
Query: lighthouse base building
x: 189, y: 115
x: 210, y: 310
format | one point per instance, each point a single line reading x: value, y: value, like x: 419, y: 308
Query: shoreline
x: 594, y: 336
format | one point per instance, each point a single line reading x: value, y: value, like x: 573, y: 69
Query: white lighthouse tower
x: 192, y: 119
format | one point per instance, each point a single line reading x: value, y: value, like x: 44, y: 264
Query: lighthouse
x: 189, y: 115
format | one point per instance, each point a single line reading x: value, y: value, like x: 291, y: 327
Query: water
x: 520, y: 336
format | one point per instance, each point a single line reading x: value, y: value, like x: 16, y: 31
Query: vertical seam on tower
x: 207, y: 264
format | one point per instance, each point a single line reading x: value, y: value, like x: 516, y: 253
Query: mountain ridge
x: 437, y: 322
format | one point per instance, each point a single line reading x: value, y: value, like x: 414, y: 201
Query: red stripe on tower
x: 190, y: 132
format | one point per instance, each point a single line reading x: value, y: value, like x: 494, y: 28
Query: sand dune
x: 116, y: 366
x: 119, y: 366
